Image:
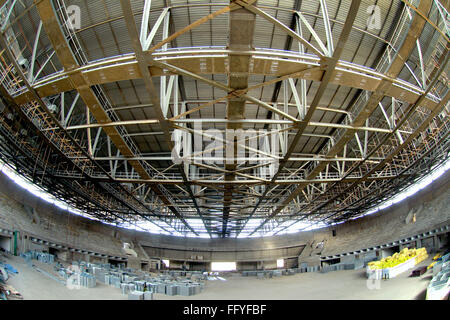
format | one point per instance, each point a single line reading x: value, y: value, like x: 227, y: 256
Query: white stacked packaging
x: 377, y: 274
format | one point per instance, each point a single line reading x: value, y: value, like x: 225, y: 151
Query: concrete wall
x: 246, y: 265
x: 272, y: 264
x: 195, y: 254
x: 431, y: 207
x: 53, y: 223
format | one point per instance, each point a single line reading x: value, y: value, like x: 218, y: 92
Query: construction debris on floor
x: 418, y: 271
x: 7, y: 292
x: 134, y: 284
x: 439, y: 287
x: 137, y: 285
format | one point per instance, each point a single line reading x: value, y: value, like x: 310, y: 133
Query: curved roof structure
x: 224, y: 119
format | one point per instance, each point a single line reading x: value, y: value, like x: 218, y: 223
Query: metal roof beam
x: 405, y: 50
x: 63, y: 51
x: 330, y: 65
x: 147, y: 77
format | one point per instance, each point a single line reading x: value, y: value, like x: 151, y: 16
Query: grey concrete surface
x: 348, y: 285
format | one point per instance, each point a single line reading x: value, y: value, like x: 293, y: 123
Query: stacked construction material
x: 276, y: 273
x: 161, y: 288
x: 87, y: 280
x: 128, y: 278
x: 337, y: 267
x: 290, y: 272
x: 131, y: 283
x: 148, y: 295
x: 333, y: 267
x: 260, y: 274
x: 128, y: 287
x: 115, y: 282
x: 172, y: 289
x: 421, y: 255
x: 176, y: 273
x: 312, y: 269
x: 136, y: 295
x: 439, y: 287
x: 152, y: 286
x: 63, y: 273
x: 392, y: 266
x: 140, y: 285
x: 197, y: 276
x: 81, y: 279
x: 198, y: 287
x: 112, y: 280
x: 40, y: 256
x: 439, y: 263
x: 99, y: 274
x: 187, y: 290
x: 5, y: 270
x: 45, y: 257
x: 27, y: 256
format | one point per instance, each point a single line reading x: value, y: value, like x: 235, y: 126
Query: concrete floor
x: 348, y: 285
